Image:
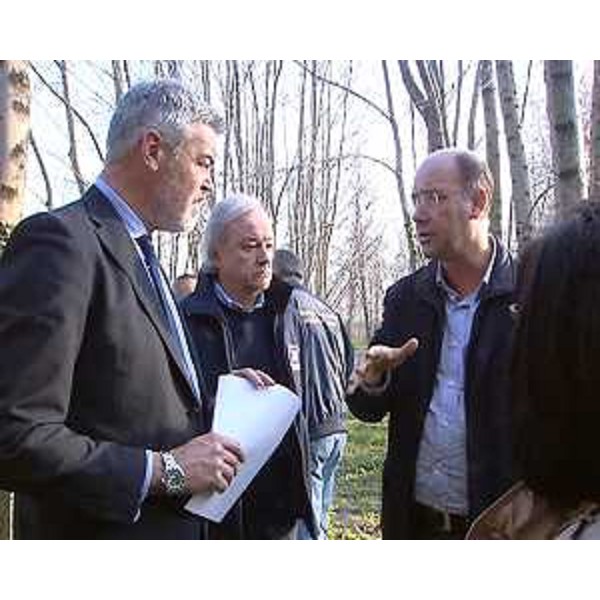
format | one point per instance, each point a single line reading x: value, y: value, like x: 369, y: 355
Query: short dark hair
x: 556, y: 361
x: 287, y: 266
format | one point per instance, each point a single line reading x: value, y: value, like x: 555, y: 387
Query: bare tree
x: 43, y: 171
x: 519, y: 170
x: 118, y: 79
x: 429, y: 101
x: 595, y: 136
x: 413, y: 250
x: 492, y: 139
x: 457, y: 112
x: 69, y: 107
x: 564, y: 132
x: 15, y: 101
x: 73, y: 152
x: 473, y: 110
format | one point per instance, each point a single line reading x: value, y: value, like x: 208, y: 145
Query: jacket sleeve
x: 370, y: 407
x: 46, y: 290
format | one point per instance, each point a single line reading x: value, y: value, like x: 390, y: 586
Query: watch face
x: 175, y: 481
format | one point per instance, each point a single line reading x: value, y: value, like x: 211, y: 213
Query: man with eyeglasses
x: 438, y: 367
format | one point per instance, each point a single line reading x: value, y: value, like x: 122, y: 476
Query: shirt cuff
x: 146, y: 484
x: 377, y: 389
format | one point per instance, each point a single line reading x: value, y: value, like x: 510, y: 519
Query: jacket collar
x: 117, y: 242
x: 501, y: 281
x: 204, y: 300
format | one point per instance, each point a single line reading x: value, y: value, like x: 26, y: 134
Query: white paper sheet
x: 257, y: 420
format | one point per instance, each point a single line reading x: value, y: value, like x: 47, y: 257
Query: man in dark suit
x: 102, y: 425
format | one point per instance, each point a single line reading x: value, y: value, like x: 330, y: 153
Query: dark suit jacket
x: 89, y: 380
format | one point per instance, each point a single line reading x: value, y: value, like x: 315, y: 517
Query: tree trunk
x: 564, y: 133
x: 426, y: 103
x: 519, y: 171
x: 117, y: 79
x: 457, y: 112
x: 413, y: 252
x: 15, y: 98
x: 471, y: 141
x: 595, y: 145
x: 488, y: 94
x: 15, y: 101
x: 73, y: 154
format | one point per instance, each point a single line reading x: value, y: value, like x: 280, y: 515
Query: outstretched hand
x: 379, y: 360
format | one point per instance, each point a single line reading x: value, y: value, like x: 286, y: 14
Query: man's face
x: 244, y: 256
x: 442, y: 208
x: 185, y: 179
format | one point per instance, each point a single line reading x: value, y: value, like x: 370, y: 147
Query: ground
x: 355, y: 515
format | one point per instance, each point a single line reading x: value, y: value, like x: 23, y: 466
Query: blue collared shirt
x: 226, y: 300
x: 441, y: 480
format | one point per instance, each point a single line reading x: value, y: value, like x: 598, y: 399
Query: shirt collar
x: 225, y: 299
x: 450, y: 293
x: 134, y: 225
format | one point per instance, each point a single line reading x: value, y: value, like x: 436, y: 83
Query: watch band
x: 173, y: 479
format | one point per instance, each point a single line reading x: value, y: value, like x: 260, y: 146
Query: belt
x: 441, y: 520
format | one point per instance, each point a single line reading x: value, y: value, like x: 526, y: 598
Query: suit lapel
x: 117, y: 242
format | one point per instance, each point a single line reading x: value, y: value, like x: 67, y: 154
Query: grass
x: 355, y: 514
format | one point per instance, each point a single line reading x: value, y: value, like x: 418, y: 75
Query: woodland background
x: 329, y: 146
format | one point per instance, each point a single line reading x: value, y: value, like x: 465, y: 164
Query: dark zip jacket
x: 215, y: 350
x: 415, y: 307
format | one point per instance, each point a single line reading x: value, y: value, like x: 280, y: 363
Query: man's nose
x: 420, y: 213
x: 263, y: 254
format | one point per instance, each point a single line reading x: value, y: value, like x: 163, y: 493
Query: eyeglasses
x: 432, y: 197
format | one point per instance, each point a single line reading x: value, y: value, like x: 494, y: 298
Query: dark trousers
x: 431, y: 524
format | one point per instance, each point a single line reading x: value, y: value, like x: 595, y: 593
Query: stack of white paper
x: 257, y: 420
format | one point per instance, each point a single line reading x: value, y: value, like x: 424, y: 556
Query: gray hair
x: 288, y: 267
x: 165, y: 105
x: 224, y: 212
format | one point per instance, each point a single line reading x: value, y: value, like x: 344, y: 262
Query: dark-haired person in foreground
x: 438, y: 367
x: 555, y: 389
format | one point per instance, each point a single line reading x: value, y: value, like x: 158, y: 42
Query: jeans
x: 325, y: 457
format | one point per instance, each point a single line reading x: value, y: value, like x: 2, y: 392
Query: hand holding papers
x: 258, y: 420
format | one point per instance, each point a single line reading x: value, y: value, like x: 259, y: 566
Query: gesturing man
x: 102, y: 427
x: 439, y: 364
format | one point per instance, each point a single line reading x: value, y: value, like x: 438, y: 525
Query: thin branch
x: 526, y: 94
x: 44, y: 171
x: 347, y: 89
x: 75, y: 111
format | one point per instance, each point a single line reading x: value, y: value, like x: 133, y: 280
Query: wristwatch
x: 173, y: 478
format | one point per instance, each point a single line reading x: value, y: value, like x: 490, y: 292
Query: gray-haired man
x: 103, y: 433
x: 239, y: 318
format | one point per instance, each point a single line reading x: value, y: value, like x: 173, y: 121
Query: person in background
x: 438, y: 367
x: 327, y: 359
x: 102, y: 427
x: 240, y: 318
x: 184, y: 285
x: 555, y: 383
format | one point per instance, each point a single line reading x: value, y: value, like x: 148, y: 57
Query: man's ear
x: 152, y: 149
x: 480, y: 202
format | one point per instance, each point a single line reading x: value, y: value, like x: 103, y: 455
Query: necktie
x: 168, y: 308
